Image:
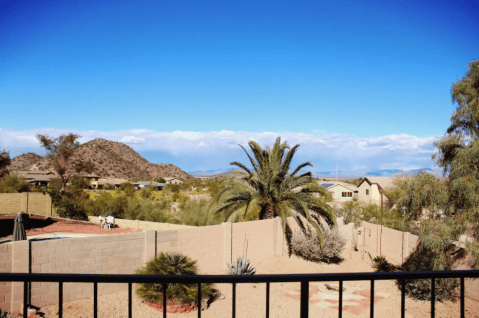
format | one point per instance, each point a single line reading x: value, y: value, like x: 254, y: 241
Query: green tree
x: 5, y: 161
x: 60, y: 150
x: 458, y: 151
x: 275, y: 190
x: 423, y: 191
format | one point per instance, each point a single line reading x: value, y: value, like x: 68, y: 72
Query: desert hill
x: 109, y: 159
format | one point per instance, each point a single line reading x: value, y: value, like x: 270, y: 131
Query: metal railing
x: 303, y: 279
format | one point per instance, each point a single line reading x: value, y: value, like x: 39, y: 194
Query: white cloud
x: 216, y: 149
x: 132, y: 140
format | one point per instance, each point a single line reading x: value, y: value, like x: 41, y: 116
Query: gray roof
x: 147, y: 183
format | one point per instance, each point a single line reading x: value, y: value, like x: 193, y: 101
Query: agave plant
x: 241, y: 267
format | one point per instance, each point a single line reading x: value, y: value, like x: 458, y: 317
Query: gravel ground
x: 251, y: 297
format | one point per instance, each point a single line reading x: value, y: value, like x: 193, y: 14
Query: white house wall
x: 337, y: 191
x: 362, y: 196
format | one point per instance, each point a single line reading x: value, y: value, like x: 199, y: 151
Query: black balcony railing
x: 303, y: 279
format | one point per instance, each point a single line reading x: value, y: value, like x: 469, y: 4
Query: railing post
x: 95, y: 300
x: 25, y: 298
x: 462, y: 298
x: 130, y: 311
x: 60, y: 299
x: 267, y: 299
x: 340, y: 309
x: 199, y: 300
x: 371, y: 312
x: 433, y: 297
x: 304, y: 299
x: 234, y: 301
x: 403, y: 298
x: 164, y: 299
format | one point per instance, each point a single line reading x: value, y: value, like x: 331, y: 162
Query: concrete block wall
x: 205, y: 244
x: 11, y: 203
x: 212, y: 246
x: 258, y: 238
x: 28, y: 202
x: 395, y: 245
x: 6, y: 254
x: 20, y: 264
x: 108, y: 254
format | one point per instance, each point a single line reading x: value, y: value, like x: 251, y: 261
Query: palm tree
x: 276, y: 191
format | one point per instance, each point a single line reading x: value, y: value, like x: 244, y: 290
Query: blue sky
x: 365, y: 84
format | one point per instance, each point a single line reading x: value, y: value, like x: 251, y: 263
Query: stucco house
x: 116, y: 182
x: 37, y: 177
x: 170, y: 180
x: 370, y: 189
x: 92, y: 179
x: 341, y: 191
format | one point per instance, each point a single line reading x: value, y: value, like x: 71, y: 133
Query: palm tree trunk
x: 289, y: 237
x: 269, y: 212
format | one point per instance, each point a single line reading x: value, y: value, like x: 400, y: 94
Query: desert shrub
x: 128, y: 188
x: 351, y: 213
x: 107, y: 203
x: 196, y: 212
x: 180, y: 197
x: 171, y: 187
x: 145, y: 210
x: 13, y: 183
x: 157, y: 195
x: 420, y: 289
x: 67, y: 208
x: 307, y: 246
x: 171, y: 264
x: 146, y: 192
x: 241, y: 267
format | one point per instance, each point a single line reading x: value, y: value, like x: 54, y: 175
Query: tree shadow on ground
x: 6, y: 225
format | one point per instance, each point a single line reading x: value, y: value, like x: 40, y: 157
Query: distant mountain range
x: 333, y: 174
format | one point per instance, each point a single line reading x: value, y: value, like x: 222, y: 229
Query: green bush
x: 196, y: 213
x: 171, y: 264
x: 13, y: 183
x: 67, y: 208
x: 307, y: 246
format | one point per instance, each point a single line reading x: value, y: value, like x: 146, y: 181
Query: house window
x: 367, y: 191
x: 350, y: 194
x: 343, y: 194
